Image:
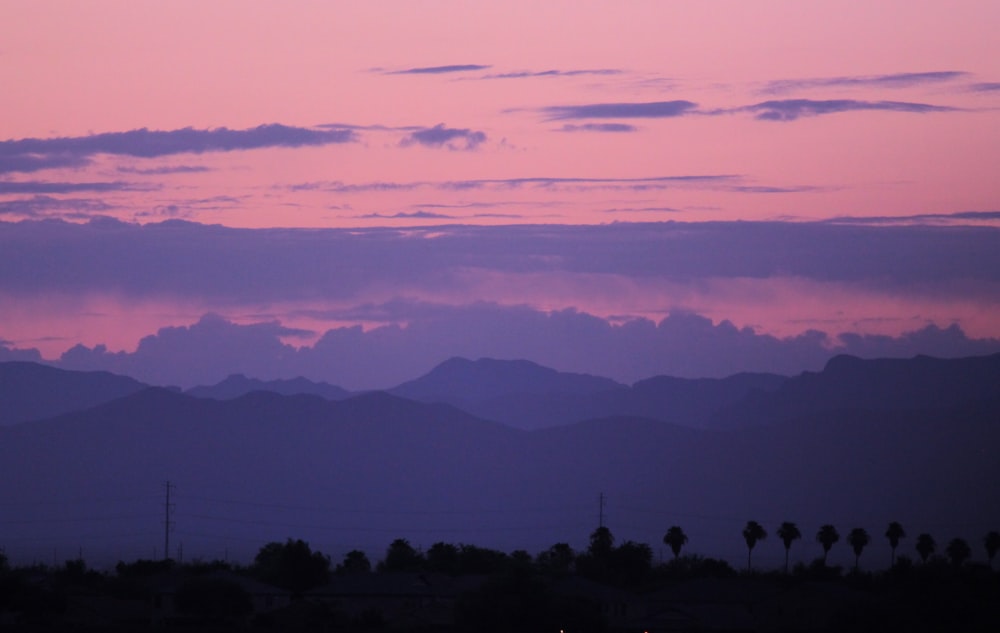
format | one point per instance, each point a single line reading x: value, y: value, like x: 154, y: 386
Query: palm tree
x: 894, y: 532
x: 958, y: 551
x: 788, y: 532
x: 858, y: 538
x: 992, y: 543
x: 826, y: 537
x: 752, y: 533
x: 925, y: 546
x: 675, y: 538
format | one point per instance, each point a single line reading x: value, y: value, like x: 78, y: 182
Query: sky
x: 356, y: 191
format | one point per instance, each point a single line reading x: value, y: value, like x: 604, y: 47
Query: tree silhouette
x: 925, y: 546
x: 443, y: 557
x: 401, y: 556
x: 558, y: 559
x: 676, y: 539
x: 355, y: 562
x: 992, y: 543
x: 858, y: 538
x: 602, y: 543
x: 788, y: 532
x: 958, y: 551
x: 826, y: 537
x: 291, y: 565
x: 894, y: 532
x: 752, y: 533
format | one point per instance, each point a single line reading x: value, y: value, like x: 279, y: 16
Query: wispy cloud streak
x: 793, y: 109
x: 523, y: 74
x: 439, y: 70
x: 41, y: 187
x: 985, y: 86
x: 540, y: 182
x: 647, y: 110
x: 894, y: 80
x: 598, y: 127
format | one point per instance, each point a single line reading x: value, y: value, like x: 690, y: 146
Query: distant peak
x: 842, y: 361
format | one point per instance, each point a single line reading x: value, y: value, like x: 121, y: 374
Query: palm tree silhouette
x: 752, y: 533
x: 925, y: 546
x: 894, y: 532
x: 958, y: 551
x: 992, y: 543
x: 858, y: 538
x: 676, y: 539
x: 788, y: 532
x: 826, y: 537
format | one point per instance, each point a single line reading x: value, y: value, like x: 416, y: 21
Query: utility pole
x: 600, y: 511
x: 168, y: 524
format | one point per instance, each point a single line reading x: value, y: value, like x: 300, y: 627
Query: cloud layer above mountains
x: 369, y: 308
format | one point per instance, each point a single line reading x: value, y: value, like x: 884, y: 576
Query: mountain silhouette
x: 489, y: 378
x: 359, y: 472
x: 237, y: 385
x: 31, y: 391
x: 525, y: 395
x: 848, y: 382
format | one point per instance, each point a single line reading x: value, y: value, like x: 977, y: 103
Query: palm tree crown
x: 858, y: 538
x: 826, y: 537
x: 788, y: 532
x: 925, y: 546
x: 676, y: 539
x: 894, y: 532
x: 752, y: 533
x: 958, y: 551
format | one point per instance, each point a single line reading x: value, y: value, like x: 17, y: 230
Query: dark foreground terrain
x: 466, y: 588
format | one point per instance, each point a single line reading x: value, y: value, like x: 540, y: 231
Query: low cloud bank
x: 682, y: 344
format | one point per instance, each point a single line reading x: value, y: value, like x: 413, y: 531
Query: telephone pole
x: 168, y: 524
x: 600, y: 511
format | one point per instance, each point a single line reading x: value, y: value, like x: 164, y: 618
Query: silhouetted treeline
x: 607, y: 586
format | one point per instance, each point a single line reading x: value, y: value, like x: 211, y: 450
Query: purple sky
x: 356, y: 191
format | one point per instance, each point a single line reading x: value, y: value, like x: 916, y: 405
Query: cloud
x: 894, y: 80
x: 522, y: 74
x: 920, y: 218
x: 598, y: 127
x: 42, y: 187
x: 792, y: 109
x: 419, y: 215
x: 32, y: 154
x: 985, y: 86
x: 438, y: 70
x: 9, y: 353
x: 775, y: 189
x: 479, y: 291
x: 226, y: 266
x: 13, y: 162
x: 681, y: 344
x: 643, y: 210
x: 167, y: 169
x: 540, y: 182
x: 651, y: 109
x: 41, y: 206
x: 441, y: 136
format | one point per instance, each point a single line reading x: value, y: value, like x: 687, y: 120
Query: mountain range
x: 496, y: 453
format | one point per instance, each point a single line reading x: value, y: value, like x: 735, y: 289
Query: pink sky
x: 550, y: 113
x: 72, y: 69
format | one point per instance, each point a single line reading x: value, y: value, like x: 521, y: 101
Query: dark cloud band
x: 32, y: 154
